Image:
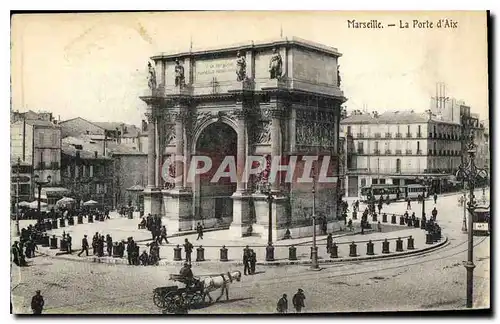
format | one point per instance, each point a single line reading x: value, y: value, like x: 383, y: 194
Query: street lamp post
x: 40, y: 184
x: 270, y: 199
x: 18, y: 232
x: 314, y: 253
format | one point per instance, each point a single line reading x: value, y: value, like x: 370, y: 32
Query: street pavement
x: 436, y: 280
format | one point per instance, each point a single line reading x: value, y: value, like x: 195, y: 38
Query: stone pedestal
x: 178, y: 210
x: 152, y: 201
x: 241, y: 214
x: 279, y: 217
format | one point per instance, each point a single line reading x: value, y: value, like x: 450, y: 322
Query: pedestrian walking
x: 14, y: 250
x: 188, y: 249
x: 434, y: 214
x: 435, y: 198
x: 85, y: 246
x: 282, y: 306
x: 408, y: 205
x: 37, y: 303
x: 163, y: 234
x: 379, y: 226
x: 298, y: 300
x: 199, y: 230
x: 130, y: 250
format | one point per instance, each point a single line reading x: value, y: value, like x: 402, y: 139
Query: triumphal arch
x: 277, y: 99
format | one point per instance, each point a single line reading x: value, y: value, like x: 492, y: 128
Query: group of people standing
x: 249, y: 261
x: 25, y: 247
x: 297, y: 301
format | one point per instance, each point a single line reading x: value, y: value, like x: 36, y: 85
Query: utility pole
x: 17, y: 197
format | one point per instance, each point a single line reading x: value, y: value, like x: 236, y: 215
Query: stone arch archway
x: 212, y: 202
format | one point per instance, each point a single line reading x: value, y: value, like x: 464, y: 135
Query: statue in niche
x: 151, y: 77
x: 265, y: 133
x: 241, y: 67
x: 275, y: 65
x: 339, y: 79
x: 179, y: 74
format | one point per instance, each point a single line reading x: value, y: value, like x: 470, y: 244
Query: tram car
x: 481, y: 221
x: 395, y: 192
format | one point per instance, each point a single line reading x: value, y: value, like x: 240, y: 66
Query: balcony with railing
x: 419, y: 135
x: 408, y: 152
x: 399, y: 135
x: 377, y: 135
x: 409, y: 135
x: 398, y: 152
x: 419, y: 152
x: 388, y: 135
x: 360, y: 151
x: 360, y: 135
x: 430, y: 152
x: 388, y: 152
x: 376, y: 152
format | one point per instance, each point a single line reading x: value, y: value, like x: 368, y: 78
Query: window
x: 419, y: 131
x: 408, y: 129
x: 418, y: 146
x: 91, y: 171
x: 83, y: 170
x: 376, y: 146
x: 68, y: 170
x: 41, y: 138
x: 348, y: 132
x: 398, y: 166
x: 54, y: 139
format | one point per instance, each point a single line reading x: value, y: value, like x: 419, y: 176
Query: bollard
x: 64, y: 246
x: 116, y: 250
x: 71, y: 221
x: 352, y: 250
x: 45, y: 240
x: 79, y: 219
x: 354, y: 215
x: 423, y: 224
x: 393, y: 219
x: 374, y: 217
x: 62, y: 222
x: 200, y: 254
x: 311, y: 255
x: 177, y: 253
x: 223, y: 254
x: 384, y: 218
x: 369, y: 248
x: 401, y: 220
x: 411, y: 243
x: 91, y: 219
x: 385, y: 246
x: 334, y: 251
x: 292, y: 253
x: 53, y: 242
x: 270, y: 252
x: 416, y: 223
x: 51, y: 225
x: 428, y: 238
x: 399, y: 245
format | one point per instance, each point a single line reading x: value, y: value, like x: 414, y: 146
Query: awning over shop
x: 55, y: 191
x: 136, y: 188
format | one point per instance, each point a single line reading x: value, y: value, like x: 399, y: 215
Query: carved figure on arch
x: 179, y: 74
x: 151, y: 77
x: 241, y: 67
x: 275, y: 65
x: 339, y: 79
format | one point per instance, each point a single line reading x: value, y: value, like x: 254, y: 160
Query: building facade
x: 87, y: 174
x: 399, y: 148
x: 276, y: 99
x: 130, y: 170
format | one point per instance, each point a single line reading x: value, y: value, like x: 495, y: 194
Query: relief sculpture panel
x: 311, y: 67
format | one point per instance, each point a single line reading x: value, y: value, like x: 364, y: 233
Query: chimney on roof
x: 95, y: 154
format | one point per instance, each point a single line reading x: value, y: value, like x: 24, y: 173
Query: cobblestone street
x: 414, y: 282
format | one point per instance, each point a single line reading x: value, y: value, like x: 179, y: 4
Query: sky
x: 95, y: 65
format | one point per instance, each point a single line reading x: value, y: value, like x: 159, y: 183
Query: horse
x: 222, y: 281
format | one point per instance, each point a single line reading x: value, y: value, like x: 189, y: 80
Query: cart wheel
x: 196, y: 300
x: 158, y: 300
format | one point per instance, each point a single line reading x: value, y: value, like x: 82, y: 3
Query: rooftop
x: 393, y: 117
x: 252, y: 44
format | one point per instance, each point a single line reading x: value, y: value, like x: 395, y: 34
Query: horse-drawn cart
x: 173, y: 298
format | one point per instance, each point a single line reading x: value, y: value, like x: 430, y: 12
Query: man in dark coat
x: 69, y: 243
x: 37, y: 303
x: 130, y: 250
x: 298, y: 300
x: 14, y: 250
x: 163, y: 235
x: 329, y: 243
x: 109, y: 244
x: 144, y: 258
x: 188, y: 249
x: 435, y: 198
x: 246, y: 261
x: 253, y: 261
x: 199, y: 230
x: 282, y: 306
x: 434, y: 214
x: 85, y: 246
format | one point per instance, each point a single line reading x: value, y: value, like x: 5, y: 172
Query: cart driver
x: 187, y: 274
